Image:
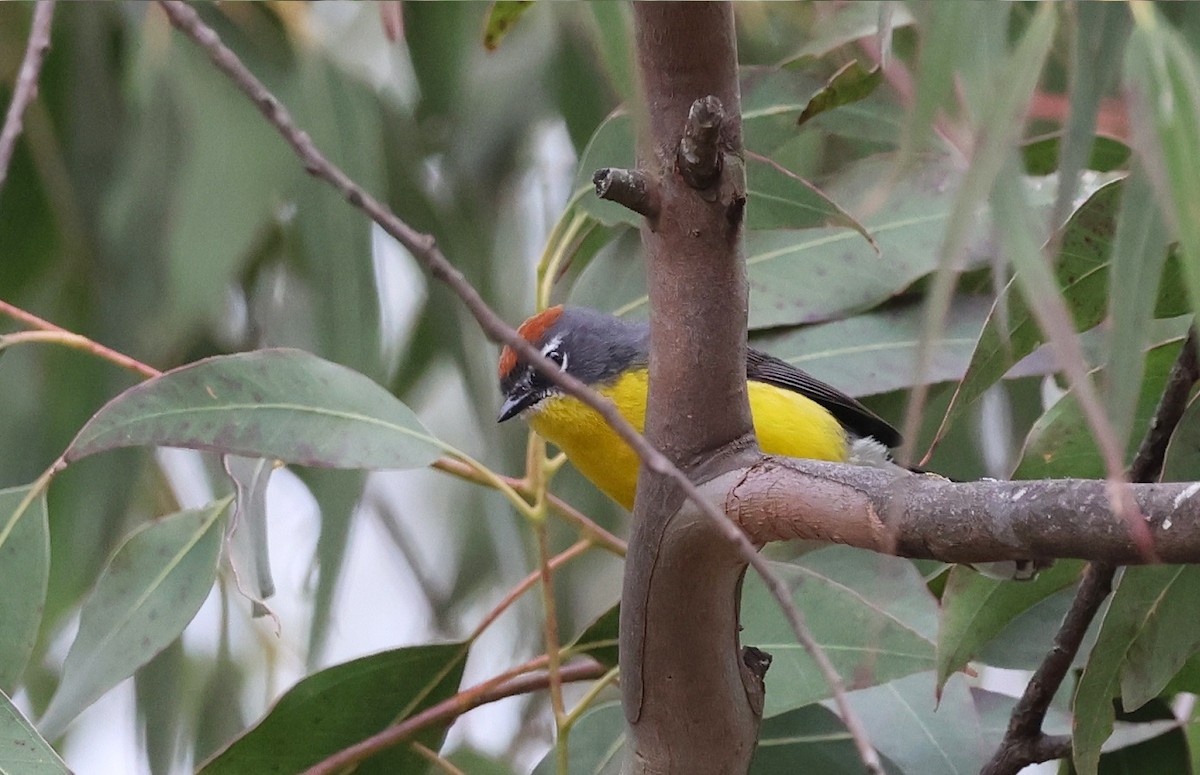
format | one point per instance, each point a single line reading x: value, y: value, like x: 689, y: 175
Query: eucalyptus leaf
x: 282, y: 404
x: 871, y: 614
x: 502, y: 16
x: 22, y: 750
x: 24, y: 573
x: 920, y: 732
x: 873, y: 352
x: 248, y: 529
x: 150, y: 590
x: 596, y: 745
x: 851, y: 83
x: 975, y: 609
x: 346, y: 703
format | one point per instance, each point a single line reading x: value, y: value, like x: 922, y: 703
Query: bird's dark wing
x: 860, y: 420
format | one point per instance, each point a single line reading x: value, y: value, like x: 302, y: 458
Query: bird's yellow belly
x: 786, y: 423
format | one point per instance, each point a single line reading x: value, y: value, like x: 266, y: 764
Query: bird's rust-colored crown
x: 532, y: 330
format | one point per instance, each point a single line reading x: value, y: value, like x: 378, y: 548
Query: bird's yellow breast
x: 786, y: 423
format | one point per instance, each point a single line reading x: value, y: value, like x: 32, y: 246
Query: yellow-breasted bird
x: 794, y: 414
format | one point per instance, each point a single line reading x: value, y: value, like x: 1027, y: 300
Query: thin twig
x: 586, y: 526
x: 424, y: 248
x: 526, y: 583
x: 450, y: 709
x: 27, y: 79
x: 1024, y: 741
x: 76, y: 340
x: 435, y: 759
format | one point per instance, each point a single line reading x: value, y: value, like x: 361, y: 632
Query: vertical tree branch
x: 27, y: 79
x: 689, y: 710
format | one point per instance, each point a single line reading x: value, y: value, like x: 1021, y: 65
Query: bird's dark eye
x: 555, y: 356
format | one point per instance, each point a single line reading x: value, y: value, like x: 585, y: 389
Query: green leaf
x: 1147, y: 742
x: 281, y: 404
x: 346, y: 703
x: 233, y: 170
x: 596, y: 745
x: 809, y: 739
x: 150, y: 590
x: 1135, y: 625
x: 337, y: 494
x: 1168, y: 635
x: 1182, y: 461
x: 1041, y: 154
x: 334, y: 242
x: 248, y: 528
x: 22, y: 750
x: 1081, y: 272
x: 821, y: 274
x: 917, y: 731
x: 851, y: 83
x: 599, y: 639
x: 873, y: 352
x: 502, y: 16
x: 975, y: 609
x: 1138, y: 256
x: 612, y: 145
x: 778, y: 198
x: 24, y: 574
x: 1099, y: 34
x: 1060, y: 443
x: 1163, y: 76
x: 872, y: 614
x: 845, y: 25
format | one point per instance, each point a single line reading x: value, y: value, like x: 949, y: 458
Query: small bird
x: 794, y: 414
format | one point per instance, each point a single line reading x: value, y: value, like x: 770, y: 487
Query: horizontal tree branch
x: 926, y: 516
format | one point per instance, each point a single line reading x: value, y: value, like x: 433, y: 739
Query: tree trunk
x: 691, y: 703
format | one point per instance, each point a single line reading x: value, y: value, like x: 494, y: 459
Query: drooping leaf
x: 332, y: 709
x: 24, y: 573
x: 1060, y: 443
x: 778, y: 198
x: 1081, y: 272
x: 1134, y: 626
x: 1162, y: 74
x: 872, y: 614
x: 282, y: 404
x: 150, y: 590
x: 851, y: 83
x: 975, y: 609
x: 337, y: 494
x: 612, y: 145
x: 1099, y: 34
x: 1138, y: 256
x: 1167, y: 635
x: 248, y: 528
x: 502, y: 16
x: 22, y: 750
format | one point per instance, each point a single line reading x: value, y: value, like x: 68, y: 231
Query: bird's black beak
x: 516, y: 403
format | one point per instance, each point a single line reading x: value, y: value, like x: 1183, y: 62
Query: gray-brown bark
x: 926, y: 516
x: 691, y: 703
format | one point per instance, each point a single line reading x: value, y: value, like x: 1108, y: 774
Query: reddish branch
x: 27, y: 80
x: 1024, y: 742
x: 446, y: 711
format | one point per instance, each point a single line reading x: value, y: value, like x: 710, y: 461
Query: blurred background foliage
x: 150, y: 207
